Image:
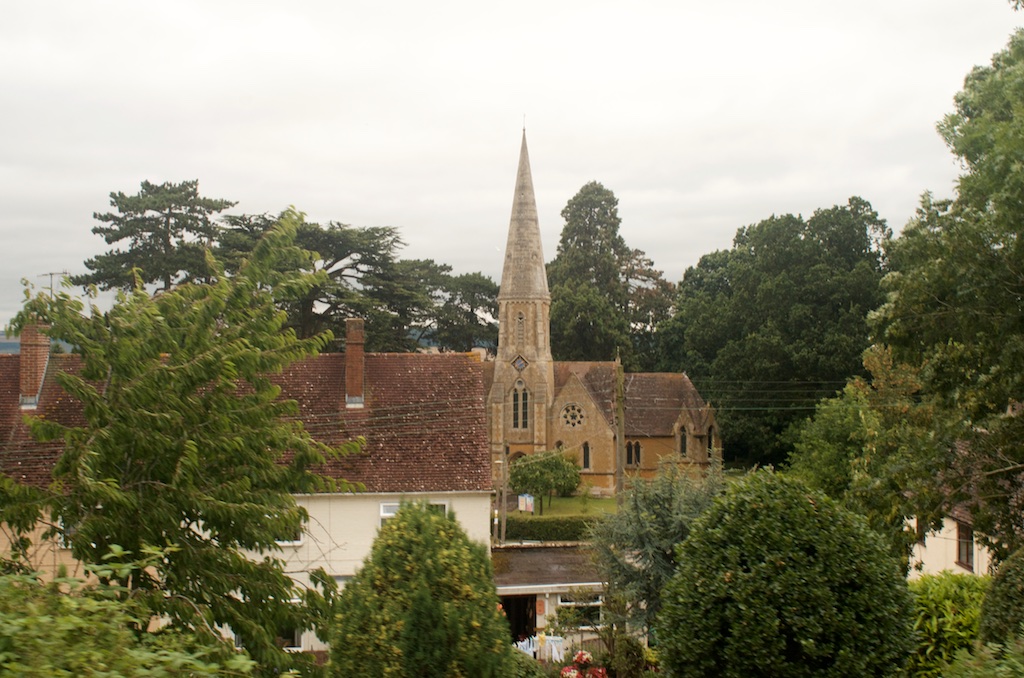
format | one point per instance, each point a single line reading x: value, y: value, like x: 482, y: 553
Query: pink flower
x: 569, y: 672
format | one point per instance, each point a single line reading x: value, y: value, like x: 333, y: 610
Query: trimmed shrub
x: 948, y: 608
x: 778, y: 580
x: 423, y: 604
x: 524, y: 666
x: 547, y: 528
x: 1003, y: 610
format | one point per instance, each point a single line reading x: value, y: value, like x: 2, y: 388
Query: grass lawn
x: 576, y: 506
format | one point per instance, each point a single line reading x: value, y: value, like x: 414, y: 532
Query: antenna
x: 51, y: 274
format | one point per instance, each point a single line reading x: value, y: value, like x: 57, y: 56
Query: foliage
x: 948, y: 607
x: 167, y: 228
x: 525, y: 666
x: 875, y: 448
x: 63, y: 628
x: 547, y: 528
x: 635, y: 547
x: 778, y: 322
x: 606, y: 299
x: 776, y: 579
x: 403, y: 301
x: 988, y: 660
x: 956, y: 293
x: 628, y: 658
x: 424, y: 594
x: 185, y: 445
x: 543, y: 474
x: 1002, y: 613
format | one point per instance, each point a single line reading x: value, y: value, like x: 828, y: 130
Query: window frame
x: 965, y: 546
x: 570, y: 600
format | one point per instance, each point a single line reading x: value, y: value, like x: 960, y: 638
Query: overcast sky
x: 701, y: 116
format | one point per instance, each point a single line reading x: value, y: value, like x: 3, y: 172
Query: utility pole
x: 620, y: 432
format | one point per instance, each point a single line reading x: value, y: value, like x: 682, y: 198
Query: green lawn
x: 576, y: 506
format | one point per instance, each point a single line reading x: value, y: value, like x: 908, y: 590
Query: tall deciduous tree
x: 769, y: 327
x: 876, y: 448
x: 606, y: 299
x: 166, y: 229
x: 423, y: 604
x: 957, y: 291
x: 185, y: 445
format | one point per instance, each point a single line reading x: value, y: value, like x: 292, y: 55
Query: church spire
x: 523, y: 276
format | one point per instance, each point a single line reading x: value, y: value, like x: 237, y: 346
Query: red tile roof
x: 423, y: 420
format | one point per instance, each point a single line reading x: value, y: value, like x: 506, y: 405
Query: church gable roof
x: 656, y: 401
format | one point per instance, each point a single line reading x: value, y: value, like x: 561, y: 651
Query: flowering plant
x: 580, y: 667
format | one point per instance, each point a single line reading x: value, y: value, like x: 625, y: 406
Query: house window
x: 65, y: 534
x: 289, y: 638
x: 586, y: 455
x: 390, y: 508
x: 965, y: 546
x: 586, y: 608
x: 520, y: 406
x: 291, y: 539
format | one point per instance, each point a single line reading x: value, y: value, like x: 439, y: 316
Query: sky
x: 701, y: 117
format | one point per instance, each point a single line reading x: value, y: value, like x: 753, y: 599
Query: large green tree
x: 956, y: 293
x: 769, y: 327
x: 606, y: 299
x: 185, y: 445
x: 778, y: 580
x: 164, y: 230
x: 875, y: 448
x: 404, y: 302
x: 423, y: 604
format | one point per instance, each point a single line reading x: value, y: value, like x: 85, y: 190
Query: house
x: 614, y: 423
x: 422, y: 417
x: 954, y: 547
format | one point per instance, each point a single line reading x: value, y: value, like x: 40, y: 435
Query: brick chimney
x: 35, y: 352
x: 355, y: 362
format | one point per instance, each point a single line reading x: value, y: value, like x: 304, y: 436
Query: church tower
x: 523, y: 387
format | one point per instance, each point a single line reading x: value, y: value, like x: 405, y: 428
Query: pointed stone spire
x: 523, y: 276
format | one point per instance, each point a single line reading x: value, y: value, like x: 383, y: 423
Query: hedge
x: 547, y: 528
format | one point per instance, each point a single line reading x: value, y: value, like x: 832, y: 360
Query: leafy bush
x: 628, y: 658
x: 948, y: 608
x: 989, y: 659
x: 423, y: 604
x: 778, y: 580
x: 1003, y: 610
x: 524, y: 666
x: 547, y: 528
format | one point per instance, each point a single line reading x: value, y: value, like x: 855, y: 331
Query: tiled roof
x: 654, y: 401
x: 424, y: 420
x: 544, y: 565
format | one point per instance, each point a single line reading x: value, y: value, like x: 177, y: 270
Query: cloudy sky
x: 701, y: 116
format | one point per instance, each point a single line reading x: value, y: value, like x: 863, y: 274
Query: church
x: 617, y: 424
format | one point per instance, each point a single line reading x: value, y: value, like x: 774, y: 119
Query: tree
x: 423, y: 604
x: 65, y: 629
x: 404, y: 302
x: 778, y: 580
x: 956, y: 292
x: 606, y: 299
x: 544, y: 473
x: 1002, y: 611
x: 778, y: 322
x: 167, y: 228
x: 635, y: 547
x: 876, y: 448
x: 184, y: 444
